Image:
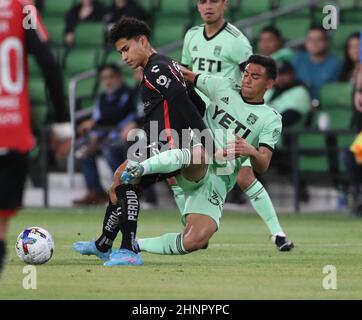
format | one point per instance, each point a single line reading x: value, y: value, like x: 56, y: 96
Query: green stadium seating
x: 172, y: 8
x: 39, y: 115
x: 351, y: 16
x: 91, y: 34
x: 293, y: 28
x: 336, y: 95
x: 80, y: 60
x: 37, y: 90
x: 339, y: 36
x: 34, y: 70
x: 168, y: 30
x: 55, y: 27
x: 57, y: 7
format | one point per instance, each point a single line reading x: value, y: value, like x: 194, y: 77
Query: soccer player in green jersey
x: 257, y: 128
x: 219, y: 48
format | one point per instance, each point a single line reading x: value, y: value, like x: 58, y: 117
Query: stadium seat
x: 57, y: 8
x: 39, y: 115
x: 351, y: 16
x: 55, y: 27
x: 172, y: 8
x: 91, y: 34
x: 37, y: 90
x: 34, y: 70
x: 340, y: 35
x: 80, y: 60
x: 168, y: 30
x: 336, y: 95
x: 292, y: 27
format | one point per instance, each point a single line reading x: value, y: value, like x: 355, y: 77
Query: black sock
x: 111, y: 224
x: 128, y: 201
x: 2, y: 253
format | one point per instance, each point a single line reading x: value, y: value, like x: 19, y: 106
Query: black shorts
x: 13, y: 171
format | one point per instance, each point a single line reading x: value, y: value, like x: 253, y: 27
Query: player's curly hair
x: 129, y: 28
x: 267, y: 62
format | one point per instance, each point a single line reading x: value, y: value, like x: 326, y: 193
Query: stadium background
x: 315, y: 159
x: 241, y: 262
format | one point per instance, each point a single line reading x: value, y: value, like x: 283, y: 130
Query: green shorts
x: 206, y: 196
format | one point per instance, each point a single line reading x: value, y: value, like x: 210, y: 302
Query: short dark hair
x: 129, y: 28
x: 113, y: 66
x: 315, y: 27
x: 267, y: 62
x: 275, y: 31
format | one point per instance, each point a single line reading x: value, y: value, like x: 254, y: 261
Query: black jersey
x: 167, y: 103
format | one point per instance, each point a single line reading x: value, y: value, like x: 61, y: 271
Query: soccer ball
x: 34, y: 245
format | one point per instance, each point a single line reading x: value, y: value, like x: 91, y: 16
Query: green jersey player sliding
x: 244, y: 129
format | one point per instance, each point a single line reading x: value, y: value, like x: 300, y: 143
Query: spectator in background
x: 115, y: 107
x: 86, y: 11
x: 128, y: 8
x: 351, y: 58
x: 317, y: 66
x: 271, y: 44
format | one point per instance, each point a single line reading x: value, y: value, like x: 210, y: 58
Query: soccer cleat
x: 132, y: 172
x: 283, y: 244
x: 89, y: 248
x: 124, y: 257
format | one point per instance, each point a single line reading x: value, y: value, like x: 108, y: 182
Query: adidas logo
x: 194, y: 48
x: 225, y: 100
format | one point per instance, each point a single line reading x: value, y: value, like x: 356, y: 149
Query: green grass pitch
x: 240, y: 263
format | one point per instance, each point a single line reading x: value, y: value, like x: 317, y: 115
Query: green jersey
x: 229, y: 114
x: 219, y: 55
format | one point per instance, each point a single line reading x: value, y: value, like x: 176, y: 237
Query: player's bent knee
x: 245, y: 177
x: 193, y: 243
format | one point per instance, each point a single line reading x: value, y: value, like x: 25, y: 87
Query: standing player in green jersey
x: 257, y: 128
x: 219, y: 48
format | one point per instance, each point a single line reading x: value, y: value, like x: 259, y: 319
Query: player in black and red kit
x: 169, y: 108
x: 16, y: 139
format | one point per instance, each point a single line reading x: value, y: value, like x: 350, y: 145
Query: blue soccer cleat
x: 89, y: 248
x: 133, y: 171
x: 124, y: 257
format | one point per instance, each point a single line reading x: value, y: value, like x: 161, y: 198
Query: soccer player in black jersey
x: 168, y: 104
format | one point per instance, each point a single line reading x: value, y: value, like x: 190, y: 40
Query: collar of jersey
x: 212, y: 37
x: 253, y: 103
x: 149, y: 59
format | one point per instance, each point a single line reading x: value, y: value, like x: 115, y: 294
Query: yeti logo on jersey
x: 252, y: 119
x: 163, y: 81
x: 217, y: 51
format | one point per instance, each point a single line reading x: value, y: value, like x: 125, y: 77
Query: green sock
x: 168, y: 161
x: 261, y: 202
x: 169, y: 243
x: 179, y: 196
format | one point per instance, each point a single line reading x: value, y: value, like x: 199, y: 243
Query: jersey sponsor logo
x: 163, y: 81
x: 214, y: 199
x: 252, y: 118
x: 155, y: 69
x: 225, y: 100
x: 217, y: 51
x: 209, y: 65
x: 227, y: 121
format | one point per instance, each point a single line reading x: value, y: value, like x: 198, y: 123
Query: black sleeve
x: 167, y: 79
x: 71, y: 19
x: 51, y: 71
x: 290, y: 117
x: 195, y: 98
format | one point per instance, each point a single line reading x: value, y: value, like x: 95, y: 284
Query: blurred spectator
x: 115, y: 107
x: 292, y: 100
x: 128, y: 8
x: 289, y: 97
x: 351, y: 58
x: 271, y: 43
x: 317, y: 66
x: 86, y: 11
